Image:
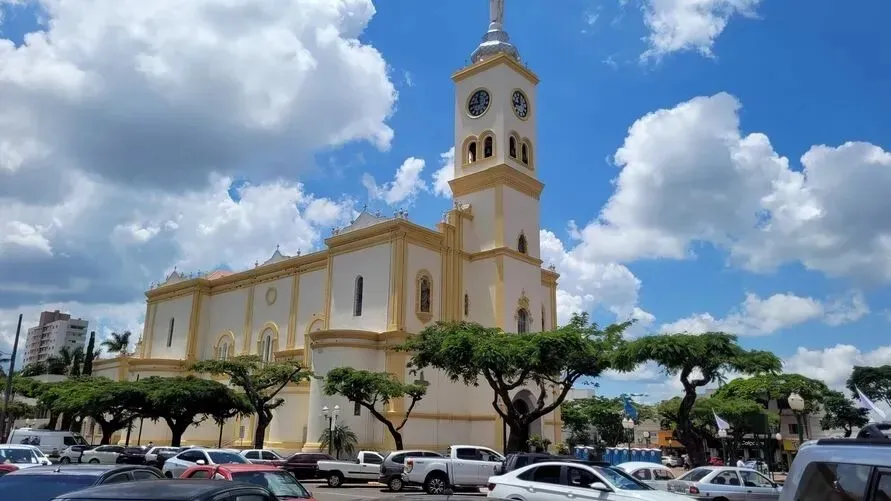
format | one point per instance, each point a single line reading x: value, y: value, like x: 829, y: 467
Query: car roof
x: 236, y: 467
x: 81, y: 469
x: 157, y: 490
x: 640, y: 464
x: 18, y: 446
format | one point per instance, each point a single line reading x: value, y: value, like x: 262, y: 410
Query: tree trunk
x: 848, y: 432
x: 66, y: 422
x: 686, y: 435
x: 518, y: 437
x: 108, y: 430
x: 264, y: 417
x: 53, y: 420
x: 177, y: 430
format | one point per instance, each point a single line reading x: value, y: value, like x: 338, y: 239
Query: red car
x: 7, y: 468
x: 278, y: 481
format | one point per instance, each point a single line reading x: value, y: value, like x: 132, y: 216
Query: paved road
x: 361, y: 492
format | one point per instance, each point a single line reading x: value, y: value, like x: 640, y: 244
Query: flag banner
x: 866, y: 403
x: 630, y: 411
x: 722, y: 425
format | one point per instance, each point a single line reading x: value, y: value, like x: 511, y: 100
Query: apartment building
x: 54, y: 331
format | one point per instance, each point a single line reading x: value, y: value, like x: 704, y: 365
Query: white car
x: 261, y: 456
x: 652, y: 474
x: 152, y: 455
x: 175, y: 466
x: 23, y: 456
x: 104, y: 454
x: 555, y: 480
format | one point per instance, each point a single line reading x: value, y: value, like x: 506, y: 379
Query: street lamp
x: 722, y: 434
x: 796, y: 403
x: 646, y: 436
x: 779, y: 437
x: 628, y: 424
x: 331, y: 416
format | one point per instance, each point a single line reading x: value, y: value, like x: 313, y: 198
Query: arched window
x: 488, y: 147
x: 471, y: 152
x: 542, y: 318
x: 522, y: 321
x: 267, y: 348
x: 424, y: 295
x: 466, y: 304
x: 357, y: 296
x: 512, y: 147
x: 521, y: 244
x: 223, y: 351
x: 524, y: 154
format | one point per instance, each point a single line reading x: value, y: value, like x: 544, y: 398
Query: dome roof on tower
x: 495, y: 41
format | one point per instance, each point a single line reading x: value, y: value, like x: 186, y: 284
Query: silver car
x: 725, y: 483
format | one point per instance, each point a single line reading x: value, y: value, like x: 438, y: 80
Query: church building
x: 378, y: 280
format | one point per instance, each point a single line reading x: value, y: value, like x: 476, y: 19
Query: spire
x: 496, y: 40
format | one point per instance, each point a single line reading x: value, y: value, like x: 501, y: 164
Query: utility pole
x: 8, y: 395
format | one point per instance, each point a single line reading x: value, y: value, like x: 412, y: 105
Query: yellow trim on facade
x: 488, y: 63
x: 292, y: 312
x: 151, y: 332
x: 499, y: 215
x: 423, y: 316
x: 328, y: 288
x: 194, y: 318
x: 499, y: 291
x: 504, y: 252
x: 248, y: 322
x: 498, y: 175
x: 268, y: 326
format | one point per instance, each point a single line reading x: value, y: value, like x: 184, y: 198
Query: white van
x: 51, y: 442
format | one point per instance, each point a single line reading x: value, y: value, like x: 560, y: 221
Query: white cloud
x: 444, y: 174
x: 404, y: 187
x: 833, y: 365
x: 757, y: 316
x: 690, y: 175
x: 681, y: 25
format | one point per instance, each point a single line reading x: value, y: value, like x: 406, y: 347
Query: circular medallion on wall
x: 271, y: 295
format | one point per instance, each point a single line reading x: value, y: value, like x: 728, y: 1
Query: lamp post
x: 646, y: 436
x: 331, y: 416
x: 628, y: 424
x: 796, y: 403
x: 722, y: 434
x: 779, y: 437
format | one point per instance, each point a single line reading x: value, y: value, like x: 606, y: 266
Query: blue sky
x: 800, y: 76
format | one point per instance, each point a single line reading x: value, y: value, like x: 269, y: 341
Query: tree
x: 76, y: 359
x: 90, y: 354
x: 117, y: 343
x: 874, y: 382
x: 763, y: 388
x: 341, y: 440
x: 260, y: 381
x: 540, y: 362
x: 184, y: 401
x: 111, y: 404
x: 840, y: 412
x: 370, y: 389
x: 698, y: 360
x: 602, y: 413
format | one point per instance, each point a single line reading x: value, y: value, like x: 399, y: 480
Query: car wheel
x: 435, y: 484
x: 93, y: 461
x: 395, y: 484
x: 168, y: 474
x: 335, y: 479
x: 65, y: 460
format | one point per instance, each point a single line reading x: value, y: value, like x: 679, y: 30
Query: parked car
x: 278, y: 481
x: 132, y: 455
x: 73, y: 453
x: 518, y: 460
x: 394, y: 463
x: 23, y: 456
x: 104, y: 454
x: 672, y: 461
x: 7, y: 468
x: 304, y: 465
x: 44, y: 460
x: 365, y: 468
x: 181, y: 490
x: 153, y: 456
x: 262, y: 456
x: 463, y: 466
x: 553, y: 480
x: 175, y: 466
x: 652, y: 474
x: 51, y: 442
x: 44, y: 483
x: 725, y: 482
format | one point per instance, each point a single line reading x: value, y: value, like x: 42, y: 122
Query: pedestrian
x: 740, y: 463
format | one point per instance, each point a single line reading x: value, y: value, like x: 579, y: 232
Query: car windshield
x: 620, y: 479
x: 280, y: 483
x: 134, y: 450
x: 18, y: 456
x: 226, y: 457
x: 695, y: 475
x: 42, y: 487
x: 79, y: 440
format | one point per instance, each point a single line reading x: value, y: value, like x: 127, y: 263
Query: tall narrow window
x: 471, y: 152
x: 267, y: 348
x: 521, y: 244
x: 488, y: 147
x: 542, y: 318
x: 522, y: 321
x: 512, y: 147
x: 466, y: 304
x: 170, y: 333
x: 224, y: 351
x: 424, y: 299
x: 524, y: 154
x: 357, y: 296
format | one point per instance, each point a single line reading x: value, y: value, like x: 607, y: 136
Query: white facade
x: 379, y: 280
x: 54, y: 332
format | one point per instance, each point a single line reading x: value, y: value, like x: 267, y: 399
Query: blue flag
x: 630, y: 411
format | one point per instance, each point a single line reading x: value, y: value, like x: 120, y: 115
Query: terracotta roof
x: 218, y: 274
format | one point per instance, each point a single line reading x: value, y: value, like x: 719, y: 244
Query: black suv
x: 520, y: 459
x: 44, y: 483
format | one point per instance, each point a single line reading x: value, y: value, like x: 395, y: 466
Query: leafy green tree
x: 543, y: 362
x: 874, y: 382
x: 339, y: 439
x: 77, y: 357
x: 841, y: 413
x: 260, y: 382
x: 111, y: 404
x: 698, y: 360
x: 117, y: 343
x: 20, y: 410
x: 373, y: 389
x: 90, y: 354
x: 605, y: 414
x: 184, y: 401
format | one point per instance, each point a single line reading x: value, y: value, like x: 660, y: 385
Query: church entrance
x: 519, y: 439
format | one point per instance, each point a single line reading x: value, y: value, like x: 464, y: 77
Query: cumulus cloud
x: 405, y: 186
x: 682, y: 25
x: 833, y: 365
x: 689, y: 174
x: 444, y: 174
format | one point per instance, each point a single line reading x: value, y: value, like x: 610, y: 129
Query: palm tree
x: 117, y: 343
x: 341, y: 438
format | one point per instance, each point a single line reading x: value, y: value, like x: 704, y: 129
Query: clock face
x: 521, y: 104
x: 479, y: 103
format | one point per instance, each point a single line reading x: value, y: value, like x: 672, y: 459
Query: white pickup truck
x: 462, y: 466
x: 365, y: 468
